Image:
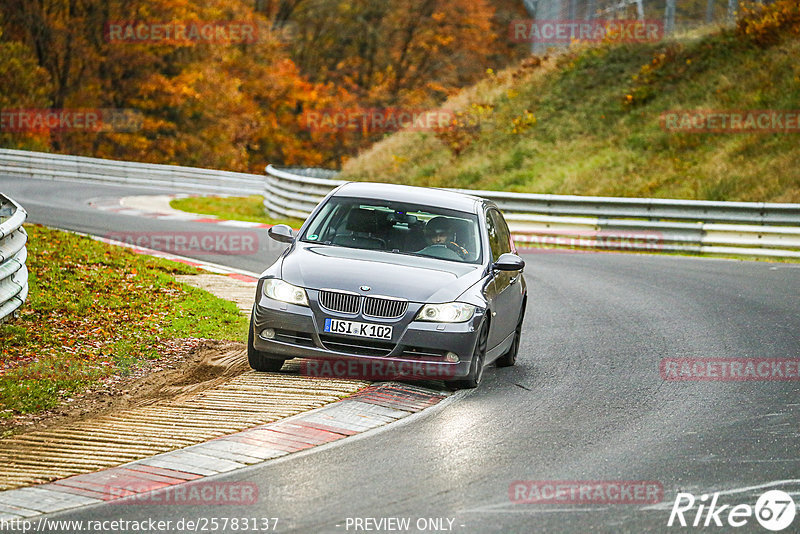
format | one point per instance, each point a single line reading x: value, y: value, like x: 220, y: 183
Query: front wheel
x: 476, y: 368
x: 261, y: 361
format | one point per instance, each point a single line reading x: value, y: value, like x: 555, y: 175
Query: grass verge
x: 95, y: 311
x: 249, y: 209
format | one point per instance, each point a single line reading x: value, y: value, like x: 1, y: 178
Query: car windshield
x: 398, y: 228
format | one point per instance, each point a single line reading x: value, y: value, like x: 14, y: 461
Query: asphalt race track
x: 66, y: 205
x: 586, y: 401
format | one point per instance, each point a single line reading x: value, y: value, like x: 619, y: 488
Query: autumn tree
x: 25, y: 85
x: 238, y: 106
x: 394, y: 53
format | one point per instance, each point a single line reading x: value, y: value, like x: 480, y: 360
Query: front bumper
x: 417, y: 349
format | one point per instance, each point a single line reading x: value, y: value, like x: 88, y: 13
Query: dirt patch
x: 192, y: 366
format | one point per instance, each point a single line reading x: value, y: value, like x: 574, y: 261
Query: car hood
x: 414, y: 278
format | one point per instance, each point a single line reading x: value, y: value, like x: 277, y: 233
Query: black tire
x: 261, y: 361
x: 476, y: 368
x: 510, y: 357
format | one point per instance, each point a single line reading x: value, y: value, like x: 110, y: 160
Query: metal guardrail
x: 541, y: 221
x: 13, y: 273
x: 568, y: 221
x: 190, y: 179
x: 295, y: 192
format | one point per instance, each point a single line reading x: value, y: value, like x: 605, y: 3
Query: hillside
x: 587, y: 122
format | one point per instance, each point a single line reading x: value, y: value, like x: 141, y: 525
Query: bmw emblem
x: 365, y: 288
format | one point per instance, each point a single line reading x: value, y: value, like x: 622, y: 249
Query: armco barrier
x: 568, y: 221
x: 537, y: 220
x: 13, y: 273
x: 190, y: 179
x: 295, y: 192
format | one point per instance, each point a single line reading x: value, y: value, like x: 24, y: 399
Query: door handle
x: 514, y: 279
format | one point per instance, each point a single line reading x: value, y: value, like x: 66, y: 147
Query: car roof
x: 425, y: 196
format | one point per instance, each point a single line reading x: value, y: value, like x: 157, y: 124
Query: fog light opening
x: 451, y: 357
x: 268, y: 333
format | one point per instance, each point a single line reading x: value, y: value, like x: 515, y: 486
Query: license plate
x: 352, y: 328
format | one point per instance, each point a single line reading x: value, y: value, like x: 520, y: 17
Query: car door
x: 507, y: 287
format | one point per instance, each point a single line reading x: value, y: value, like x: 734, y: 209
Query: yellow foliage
x: 522, y: 123
x: 766, y: 24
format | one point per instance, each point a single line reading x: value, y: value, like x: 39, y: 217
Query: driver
x: 440, y: 234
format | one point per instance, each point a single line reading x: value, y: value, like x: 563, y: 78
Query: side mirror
x: 282, y: 233
x: 509, y: 262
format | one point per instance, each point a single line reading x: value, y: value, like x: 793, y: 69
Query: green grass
x: 231, y: 208
x: 597, y: 130
x: 94, y: 311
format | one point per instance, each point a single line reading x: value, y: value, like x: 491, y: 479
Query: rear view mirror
x: 509, y: 262
x: 402, y: 218
x: 282, y: 233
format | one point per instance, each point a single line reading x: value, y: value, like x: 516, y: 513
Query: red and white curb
x: 238, y: 274
x: 370, y: 408
x: 157, y: 207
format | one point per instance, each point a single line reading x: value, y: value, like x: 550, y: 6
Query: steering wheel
x: 458, y: 249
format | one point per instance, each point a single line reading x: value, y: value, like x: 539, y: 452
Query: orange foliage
x: 237, y: 106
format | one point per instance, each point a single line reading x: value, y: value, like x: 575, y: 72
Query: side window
x: 494, y: 236
x: 502, y: 234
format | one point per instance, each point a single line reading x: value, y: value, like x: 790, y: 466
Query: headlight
x: 277, y: 289
x: 451, y: 312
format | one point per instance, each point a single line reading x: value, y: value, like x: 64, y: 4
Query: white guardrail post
x: 610, y: 223
x: 13, y: 273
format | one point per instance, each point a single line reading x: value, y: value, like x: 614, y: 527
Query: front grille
x: 384, y: 308
x: 360, y: 347
x: 339, y: 302
x: 380, y: 307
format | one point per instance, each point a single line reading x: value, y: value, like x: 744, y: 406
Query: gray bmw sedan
x: 392, y: 282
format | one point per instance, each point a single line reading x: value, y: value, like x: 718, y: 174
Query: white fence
x: 13, y: 273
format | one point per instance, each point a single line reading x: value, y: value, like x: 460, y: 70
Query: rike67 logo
x: 774, y: 510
